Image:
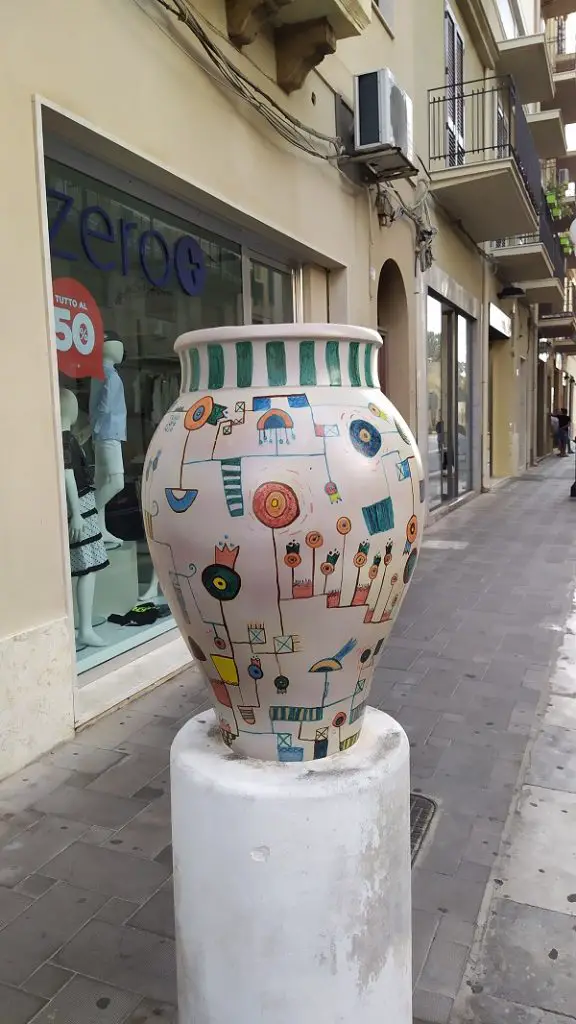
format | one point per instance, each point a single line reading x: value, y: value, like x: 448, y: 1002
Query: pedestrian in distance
x: 564, y: 433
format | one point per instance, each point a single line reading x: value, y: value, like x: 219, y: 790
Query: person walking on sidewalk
x: 564, y: 433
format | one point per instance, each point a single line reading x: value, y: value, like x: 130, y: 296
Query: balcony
x: 347, y: 17
x: 484, y: 167
x: 305, y: 31
x: 558, y: 8
x: 568, y: 161
x: 559, y: 326
x: 548, y: 132
x: 534, y: 263
x: 564, y: 73
x: 527, y: 61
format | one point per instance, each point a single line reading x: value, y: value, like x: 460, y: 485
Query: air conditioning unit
x: 383, y: 126
x: 563, y: 176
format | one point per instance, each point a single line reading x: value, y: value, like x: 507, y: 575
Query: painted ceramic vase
x: 283, y: 504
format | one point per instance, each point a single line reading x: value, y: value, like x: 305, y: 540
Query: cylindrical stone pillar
x: 292, y: 881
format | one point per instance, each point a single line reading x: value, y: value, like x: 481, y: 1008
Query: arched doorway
x: 394, y: 357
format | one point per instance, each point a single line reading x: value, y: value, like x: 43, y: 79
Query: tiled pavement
x: 86, y: 922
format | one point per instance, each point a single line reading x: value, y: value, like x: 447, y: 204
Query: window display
x: 128, y: 278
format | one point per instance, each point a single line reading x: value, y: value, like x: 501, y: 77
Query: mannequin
x: 87, y: 551
x: 108, y: 420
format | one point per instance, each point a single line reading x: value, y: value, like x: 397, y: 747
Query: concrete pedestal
x: 292, y: 882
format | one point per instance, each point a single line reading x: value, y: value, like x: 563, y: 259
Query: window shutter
x: 454, y: 61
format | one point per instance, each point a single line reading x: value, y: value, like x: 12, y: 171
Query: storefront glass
x: 436, y: 402
x: 128, y: 278
x: 449, y: 403
x: 464, y: 434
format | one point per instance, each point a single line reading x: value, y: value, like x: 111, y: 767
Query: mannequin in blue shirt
x: 108, y: 421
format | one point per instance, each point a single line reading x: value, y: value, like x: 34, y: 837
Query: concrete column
x: 503, y: 409
x: 292, y: 881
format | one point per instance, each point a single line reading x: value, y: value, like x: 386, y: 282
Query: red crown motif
x: 225, y: 554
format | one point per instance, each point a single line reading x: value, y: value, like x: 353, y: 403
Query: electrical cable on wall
x: 291, y: 129
x: 390, y: 206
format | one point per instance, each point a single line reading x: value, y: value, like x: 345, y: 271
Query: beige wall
x: 136, y: 88
x: 140, y: 81
x: 149, y: 94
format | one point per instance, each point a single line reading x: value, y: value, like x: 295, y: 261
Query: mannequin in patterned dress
x: 87, y: 551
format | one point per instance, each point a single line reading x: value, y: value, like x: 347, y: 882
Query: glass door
x: 449, y: 459
x: 449, y: 403
x: 435, y: 380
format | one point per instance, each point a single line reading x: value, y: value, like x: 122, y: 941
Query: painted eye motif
x: 221, y: 582
x: 365, y: 438
x: 339, y: 720
x: 343, y: 525
x: 412, y: 529
x: 314, y: 539
x: 275, y: 505
x: 199, y: 413
x: 292, y: 560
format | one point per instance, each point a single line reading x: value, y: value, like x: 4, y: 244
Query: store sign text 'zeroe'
x: 157, y: 259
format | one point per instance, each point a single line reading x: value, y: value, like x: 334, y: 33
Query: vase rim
x: 272, y: 332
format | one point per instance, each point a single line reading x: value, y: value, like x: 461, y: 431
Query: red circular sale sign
x: 79, y: 329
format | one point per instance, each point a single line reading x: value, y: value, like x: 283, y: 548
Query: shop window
x: 449, y: 403
x: 271, y: 294
x: 128, y: 278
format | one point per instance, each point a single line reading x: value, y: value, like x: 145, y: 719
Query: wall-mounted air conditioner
x: 383, y: 125
x: 563, y: 176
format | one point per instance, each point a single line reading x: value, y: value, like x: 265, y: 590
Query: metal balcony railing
x: 480, y: 121
x: 547, y: 314
x: 544, y: 235
x: 550, y: 241
x: 561, y: 45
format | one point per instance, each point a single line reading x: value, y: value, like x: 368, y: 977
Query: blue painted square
x: 403, y: 470
x: 291, y: 754
x: 261, y: 404
x: 298, y: 401
x: 379, y: 518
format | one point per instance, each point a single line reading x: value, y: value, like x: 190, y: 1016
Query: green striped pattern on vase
x: 280, y: 364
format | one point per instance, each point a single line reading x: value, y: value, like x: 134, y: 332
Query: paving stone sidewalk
x: 86, y: 919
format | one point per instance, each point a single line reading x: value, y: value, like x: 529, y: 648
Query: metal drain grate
x: 422, y: 811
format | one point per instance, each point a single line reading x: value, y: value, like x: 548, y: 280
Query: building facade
x: 187, y: 165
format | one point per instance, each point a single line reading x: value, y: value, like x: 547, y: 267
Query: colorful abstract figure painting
x: 283, y: 504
